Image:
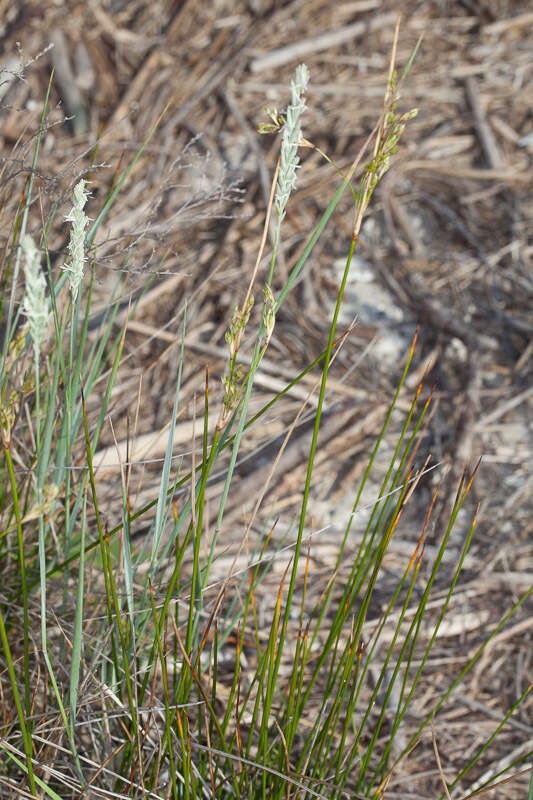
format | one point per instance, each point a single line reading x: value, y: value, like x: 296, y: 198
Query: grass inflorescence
x: 115, y: 650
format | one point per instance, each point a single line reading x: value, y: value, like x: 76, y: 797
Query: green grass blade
x: 162, y: 500
x: 18, y: 705
x: 484, y: 747
x: 28, y: 770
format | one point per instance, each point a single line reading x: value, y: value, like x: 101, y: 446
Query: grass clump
x: 114, y: 649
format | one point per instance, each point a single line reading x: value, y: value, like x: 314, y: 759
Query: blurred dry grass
x: 447, y: 244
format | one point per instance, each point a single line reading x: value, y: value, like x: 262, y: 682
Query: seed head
x: 35, y: 302
x: 291, y: 139
x: 76, y: 245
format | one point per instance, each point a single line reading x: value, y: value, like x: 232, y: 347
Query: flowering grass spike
x: 291, y: 140
x: 76, y: 245
x: 35, y: 302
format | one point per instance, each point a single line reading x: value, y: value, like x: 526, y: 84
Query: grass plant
x: 138, y: 703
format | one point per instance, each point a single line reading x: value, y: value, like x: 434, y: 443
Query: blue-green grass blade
x: 411, y: 58
x: 77, y: 638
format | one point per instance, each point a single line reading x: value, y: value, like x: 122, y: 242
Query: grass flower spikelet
x: 291, y: 139
x: 269, y: 314
x: 76, y: 245
x: 35, y: 302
